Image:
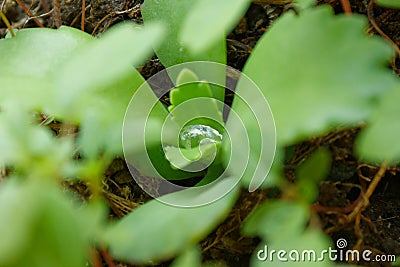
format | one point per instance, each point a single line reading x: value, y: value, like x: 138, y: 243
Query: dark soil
x: 378, y: 229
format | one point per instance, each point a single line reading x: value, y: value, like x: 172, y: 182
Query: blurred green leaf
x: 30, y: 148
x: 276, y: 174
x: 277, y: 220
x: 249, y: 142
x: 379, y: 141
x: 314, y: 88
x: 101, y: 64
x: 389, y: 3
x: 315, y: 167
x: 304, y: 4
x: 102, y: 115
x: 78, y: 78
x: 301, y: 250
x: 172, y: 14
x: 190, y: 257
x: 313, y: 170
x: 29, y: 60
x: 95, y: 85
x: 210, y: 20
x: 397, y: 262
x: 39, y: 227
x: 172, y: 230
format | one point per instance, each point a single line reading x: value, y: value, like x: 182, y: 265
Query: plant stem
x: 57, y: 13
x: 5, y: 20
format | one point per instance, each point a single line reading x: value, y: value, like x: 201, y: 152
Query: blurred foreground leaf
x: 310, y: 172
x: 173, y: 229
x: 306, y: 249
x: 389, y: 3
x: 209, y: 20
x: 314, y: 88
x: 172, y: 14
x: 30, y: 59
x: 379, y: 141
x: 278, y: 220
x: 39, y: 227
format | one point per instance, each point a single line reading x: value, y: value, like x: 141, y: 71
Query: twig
x: 29, y: 12
x: 79, y: 15
x: 346, y: 6
x: 95, y: 257
x: 113, y: 14
x: 371, y: 188
x: 83, y: 15
x: 340, y: 210
x: 107, y: 257
x: 375, y: 181
x: 39, y: 16
x: 57, y: 13
x: 45, y: 5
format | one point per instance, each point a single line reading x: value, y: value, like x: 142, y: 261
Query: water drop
x: 191, y: 135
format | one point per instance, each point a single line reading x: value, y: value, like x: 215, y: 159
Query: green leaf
x: 249, y: 142
x: 214, y: 171
x: 301, y: 250
x: 95, y: 85
x: 78, y: 78
x: 277, y: 220
x: 318, y: 70
x: 389, y: 3
x: 210, y: 20
x: 316, y: 167
x: 172, y: 230
x: 379, y: 141
x: 198, y: 111
x: 39, y: 227
x: 193, y: 102
x: 41, y: 51
x: 397, y: 262
x: 190, y: 257
x: 101, y: 65
x: 193, y: 159
x: 39, y: 156
x: 276, y: 174
x: 103, y: 112
x: 172, y: 14
x: 304, y: 4
x: 313, y: 170
x: 182, y: 93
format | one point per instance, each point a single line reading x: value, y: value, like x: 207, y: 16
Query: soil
x: 378, y: 227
